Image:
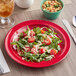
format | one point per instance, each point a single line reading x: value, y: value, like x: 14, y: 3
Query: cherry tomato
x: 24, y: 34
x: 42, y: 31
x: 31, y: 40
x: 53, y: 52
x: 50, y: 36
x: 28, y: 49
x: 42, y: 50
x: 32, y: 33
x: 47, y: 42
x: 33, y: 50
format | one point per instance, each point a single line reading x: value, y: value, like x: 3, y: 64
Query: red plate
x: 65, y: 45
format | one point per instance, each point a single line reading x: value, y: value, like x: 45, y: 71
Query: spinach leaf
x: 43, y: 55
x: 47, y: 5
x: 27, y: 30
x: 18, y: 48
x: 54, y: 43
x: 56, y: 6
x: 30, y: 56
x: 31, y: 45
x: 40, y: 38
x: 48, y: 31
x: 35, y: 43
x: 39, y: 60
x: 42, y: 45
x: 21, y: 36
x: 14, y: 43
x: 23, y: 41
x: 20, y: 45
x: 48, y: 58
x: 37, y: 30
x: 21, y: 55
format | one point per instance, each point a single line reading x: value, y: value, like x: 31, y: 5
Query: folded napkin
x: 3, y: 64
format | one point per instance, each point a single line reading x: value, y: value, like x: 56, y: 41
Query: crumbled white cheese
x: 43, y: 34
x: 42, y: 28
x: 14, y: 46
x: 49, y: 38
x: 39, y: 43
x: 29, y: 34
x: 26, y: 45
x: 49, y: 50
x: 24, y: 48
x: 19, y: 53
x: 51, y: 34
x: 23, y: 58
x: 49, y: 57
x: 15, y: 38
x: 58, y: 47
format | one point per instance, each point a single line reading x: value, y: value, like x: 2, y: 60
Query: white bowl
x: 24, y: 3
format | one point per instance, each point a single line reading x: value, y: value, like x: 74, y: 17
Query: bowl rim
x: 37, y: 65
x: 51, y: 12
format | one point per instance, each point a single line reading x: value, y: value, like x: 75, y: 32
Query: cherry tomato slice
x: 31, y: 40
x: 42, y: 31
x: 53, y: 52
x: 42, y: 50
x: 47, y: 42
x: 32, y: 33
x: 33, y: 50
x: 50, y: 36
x: 24, y: 34
x: 28, y: 49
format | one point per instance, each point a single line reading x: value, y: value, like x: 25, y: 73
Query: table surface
x: 67, y: 67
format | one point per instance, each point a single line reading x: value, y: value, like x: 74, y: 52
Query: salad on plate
x: 37, y: 44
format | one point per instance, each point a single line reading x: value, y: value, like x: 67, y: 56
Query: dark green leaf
x: 35, y: 43
x: 40, y: 38
x: 21, y: 55
x: 37, y: 30
x: 56, y: 6
x: 21, y: 36
x: 42, y: 45
x: 31, y: 45
x: 14, y: 43
x: 27, y: 30
x: 43, y: 55
x: 47, y: 5
x: 54, y: 33
x: 20, y: 45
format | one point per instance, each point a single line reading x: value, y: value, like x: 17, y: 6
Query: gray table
x: 67, y: 67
